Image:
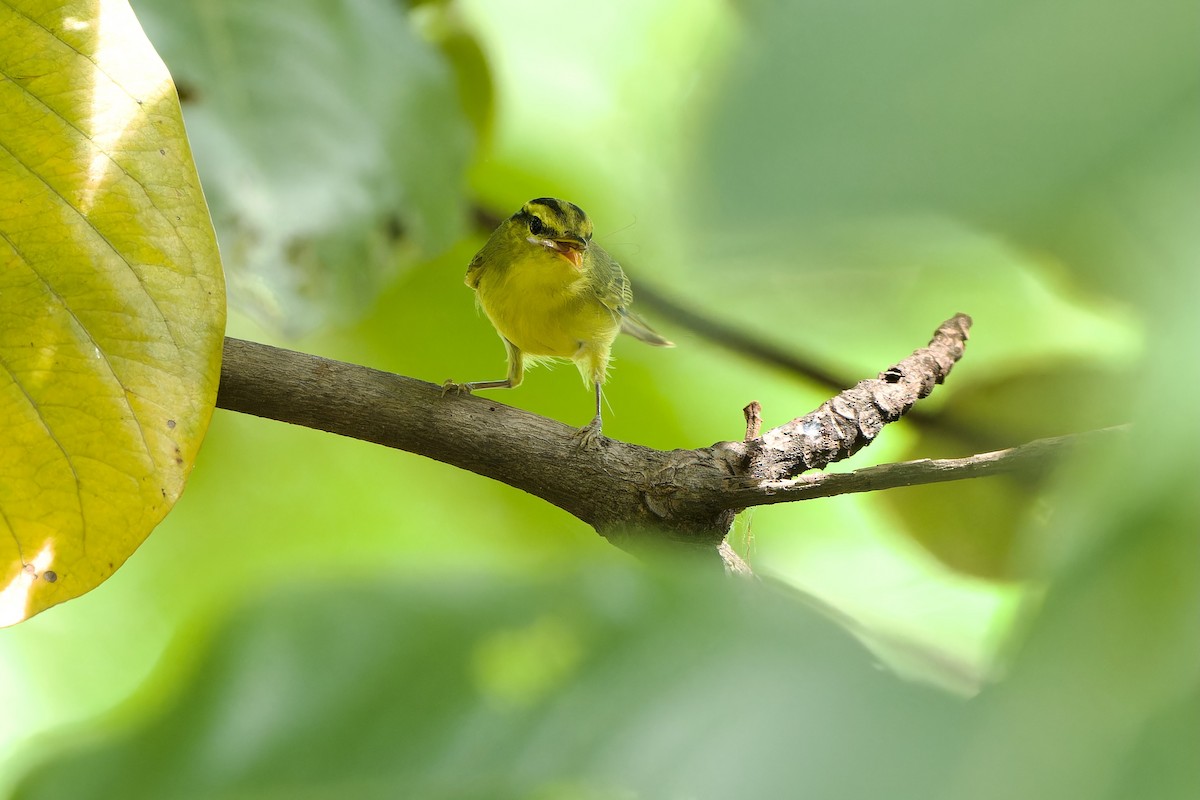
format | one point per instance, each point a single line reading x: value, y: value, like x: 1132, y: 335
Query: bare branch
x: 629, y: 493
x: 662, y: 307
x: 734, y: 564
x: 753, y: 414
x: 850, y: 421
x: 1029, y: 458
x: 613, y: 486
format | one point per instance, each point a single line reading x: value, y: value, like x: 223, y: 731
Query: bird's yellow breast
x: 545, y: 306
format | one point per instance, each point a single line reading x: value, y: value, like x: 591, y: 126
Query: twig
x: 1030, y: 458
x: 660, y: 306
x: 734, y: 563
x: 753, y: 414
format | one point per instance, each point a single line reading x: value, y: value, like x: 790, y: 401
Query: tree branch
x: 1029, y: 458
x: 629, y: 493
x: 850, y: 421
x: 662, y: 306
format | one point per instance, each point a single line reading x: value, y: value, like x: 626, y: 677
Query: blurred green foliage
x: 332, y: 144
x: 840, y: 178
x: 375, y: 690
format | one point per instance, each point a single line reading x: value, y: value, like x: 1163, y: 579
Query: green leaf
x: 112, y: 303
x: 596, y: 683
x: 330, y: 145
x: 1110, y: 667
x: 1003, y: 114
x: 849, y: 148
x: 441, y: 22
x: 619, y: 682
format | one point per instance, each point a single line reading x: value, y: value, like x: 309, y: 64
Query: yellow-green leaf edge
x: 112, y: 298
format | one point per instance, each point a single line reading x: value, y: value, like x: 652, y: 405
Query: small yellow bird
x: 551, y: 293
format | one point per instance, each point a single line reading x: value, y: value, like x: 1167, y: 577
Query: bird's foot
x: 451, y: 387
x: 589, y: 435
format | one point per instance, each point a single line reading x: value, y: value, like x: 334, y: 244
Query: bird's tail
x: 638, y: 329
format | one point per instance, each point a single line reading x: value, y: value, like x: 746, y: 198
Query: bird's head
x: 559, y: 226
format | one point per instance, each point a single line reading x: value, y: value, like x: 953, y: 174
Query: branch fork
x: 630, y: 494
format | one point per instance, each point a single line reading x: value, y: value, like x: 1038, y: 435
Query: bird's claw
x: 451, y: 387
x: 589, y: 435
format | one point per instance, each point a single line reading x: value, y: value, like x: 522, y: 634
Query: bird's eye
x: 536, y: 226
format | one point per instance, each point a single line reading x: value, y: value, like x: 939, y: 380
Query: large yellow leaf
x: 112, y: 301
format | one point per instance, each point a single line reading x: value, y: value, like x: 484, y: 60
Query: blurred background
x: 835, y: 179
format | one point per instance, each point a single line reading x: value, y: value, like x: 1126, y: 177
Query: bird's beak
x: 571, y: 249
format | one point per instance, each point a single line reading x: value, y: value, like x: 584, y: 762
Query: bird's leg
x: 449, y: 386
x: 589, y: 434
x: 516, y: 371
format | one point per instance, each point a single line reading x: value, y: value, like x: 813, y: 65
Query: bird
x: 552, y: 293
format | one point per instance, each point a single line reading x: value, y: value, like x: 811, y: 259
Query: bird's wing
x: 473, y: 270
x: 636, y: 327
x: 615, y: 292
x: 608, y: 281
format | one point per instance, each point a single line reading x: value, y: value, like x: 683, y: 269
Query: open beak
x: 570, y: 249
